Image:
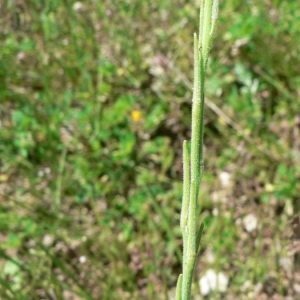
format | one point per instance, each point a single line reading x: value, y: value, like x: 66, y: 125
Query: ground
x: 95, y: 104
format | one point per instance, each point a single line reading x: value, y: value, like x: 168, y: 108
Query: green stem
x: 190, y: 252
x: 185, y: 200
x: 193, y: 172
x: 196, y: 125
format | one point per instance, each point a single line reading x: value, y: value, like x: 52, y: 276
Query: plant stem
x: 193, y: 167
x: 185, y: 199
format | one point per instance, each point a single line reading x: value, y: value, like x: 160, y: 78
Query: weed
x: 193, y: 164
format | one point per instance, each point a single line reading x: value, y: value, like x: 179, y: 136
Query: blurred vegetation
x: 95, y: 101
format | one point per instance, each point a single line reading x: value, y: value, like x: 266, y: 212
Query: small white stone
x: 222, y: 282
x: 204, y: 286
x: 286, y: 263
x: 238, y: 222
x: 257, y: 288
x: 225, y: 179
x: 246, y: 286
x: 219, y: 196
x: 82, y: 259
x: 210, y: 256
x: 78, y: 6
x: 40, y: 173
x: 65, y: 42
x: 47, y: 170
x: 297, y: 287
x: 31, y: 243
x: 21, y: 55
x: 215, y: 196
x: 48, y: 240
x: 250, y: 222
x: 289, y: 208
x: 156, y: 71
x: 212, y: 281
x: 215, y: 212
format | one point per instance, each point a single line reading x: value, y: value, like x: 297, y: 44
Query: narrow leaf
x: 179, y: 288
x: 199, y: 236
x: 186, y: 187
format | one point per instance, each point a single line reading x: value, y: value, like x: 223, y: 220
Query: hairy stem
x: 193, y: 165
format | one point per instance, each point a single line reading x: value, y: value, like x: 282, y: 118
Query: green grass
x: 90, y: 194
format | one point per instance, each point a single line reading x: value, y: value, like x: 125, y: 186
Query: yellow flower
x: 136, y: 115
x: 269, y: 188
x: 3, y: 177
